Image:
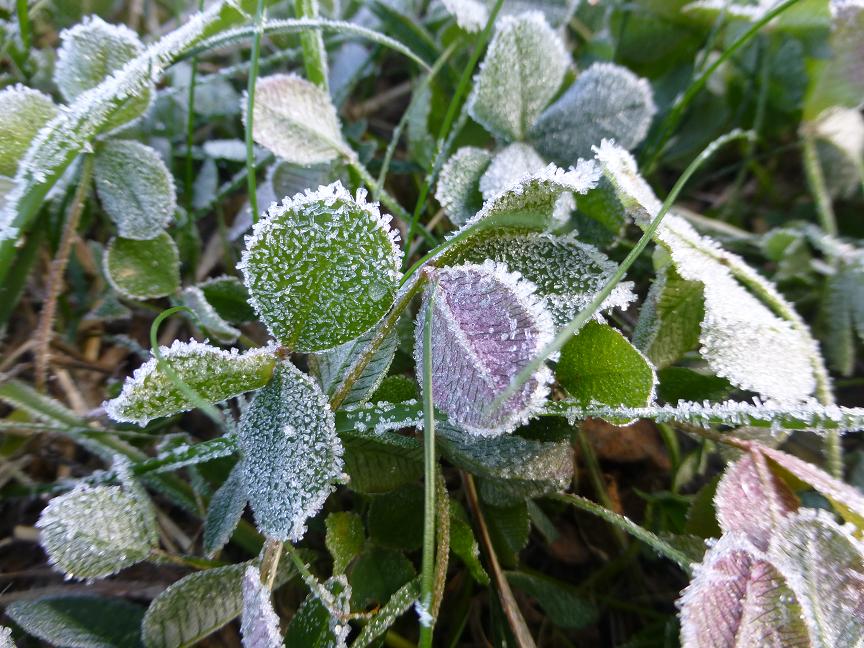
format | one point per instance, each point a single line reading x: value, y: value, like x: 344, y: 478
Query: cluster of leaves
x: 470, y: 346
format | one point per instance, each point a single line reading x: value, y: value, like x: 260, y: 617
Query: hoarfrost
x: 840, y: 143
x: 487, y: 324
x: 6, y: 637
x: 457, y: 185
x: 193, y: 297
x: 471, y: 15
x: 259, y: 624
x: 510, y: 165
x: 224, y: 512
x: 23, y: 112
x: 233, y: 150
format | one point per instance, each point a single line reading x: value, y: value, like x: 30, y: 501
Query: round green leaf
x: 321, y: 268
x: 23, y: 112
x: 135, y: 187
x: 599, y: 365
x: 457, y: 189
x: 143, y: 269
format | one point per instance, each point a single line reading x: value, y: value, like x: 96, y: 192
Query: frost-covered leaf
x: 90, y: 52
x: 823, y: 564
x: 93, y: 532
x: 296, y: 120
x: 320, y: 624
x: 344, y: 539
x: 80, y: 621
x: 846, y: 499
x: 670, y: 319
x: 378, y: 462
x: 457, y: 189
x: 839, y: 136
x: 534, y: 467
x: 333, y: 366
x: 470, y: 15
x: 568, y: 273
x: 233, y: 150
x: 843, y: 314
x: 224, y: 512
x: 135, y: 188
x: 741, y: 338
x: 751, y: 500
x: 395, y: 607
x: 464, y: 545
x: 509, y: 165
x: 215, y: 374
x: 259, y: 624
x: 523, y: 69
x: 23, y: 111
x: 143, y: 269
x: 487, y: 324
x: 291, y: 456
x: 321, y: 268
x: 737, y: 599
x: 599, y: 365
x: 6, y: 637
x: 229, y: 297
x: 193, y: 607
x: 207, y: 317
x: 206, y: 184
x: 606, y: 101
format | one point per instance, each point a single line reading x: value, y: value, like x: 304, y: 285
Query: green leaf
x: 321, y: 268
x: 376, y: 575
x: 398, y: 604
x: 332, y: 366
x: 135, y: 188
x: 607, y: 101
x: 194, y: 607
x: 215, y: 374
x: 683, y: 384
x: 464, y: 545
x: 296, y: 120
x: 224, y: 512
x: 523, y: 69
x: 839, y: 80
x: 23, y: 111
x: 562, y: 603
x: 90, y: 52
x: 314, y: 625
x: 290, y: 454
x: 229, y: 297
x: 80, y: 621
x: 378, y: 463
x: 599, y: 365
x: 669, y: 322
x: 143, y: 269
x: 93, y: 532
x: 839, y: 135
x: 396, y: 518
x: 843, y: 314
x: 396, y: 389
x: 458, y: 184
x: 207, y: 317
x: 345, y: 538
x: 509, y: 527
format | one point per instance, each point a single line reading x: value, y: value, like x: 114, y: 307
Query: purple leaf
x: 487, y: 324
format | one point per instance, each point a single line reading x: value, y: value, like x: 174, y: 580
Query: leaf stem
x: 270, y: 561
x: 250, y: 110
x: 314, y: 54
x: 24, y: 24
x: 816, y: 180
x: 429, y: 486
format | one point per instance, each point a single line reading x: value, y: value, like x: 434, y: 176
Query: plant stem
x: 428, y: 563
x: 816, y: 180
x: 442, y: 541
x: 24, y: 24
x: 598, y: 483
x: 58, y: 269
x: 314, y: 54
x: 626, y: 524
x: 250, y: 110
x: 270, y: 561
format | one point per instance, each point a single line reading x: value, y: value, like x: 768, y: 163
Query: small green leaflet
x: 23, y: 111
x: 321, y: 623
x: 344, y: 539
x: 143, y: 269
x: 457, y: 189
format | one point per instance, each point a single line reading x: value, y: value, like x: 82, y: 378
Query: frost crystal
x: 135, y: 187
x: 320, y: 620
x: 6, y: 637
x: 471, y: 15
x: 508, y: 167
x: 840, y: 142
x: 457, y: 185
x: 215, y: 374
x: 749, y: 11
x: 296, y: 120
x: 737, y: 599
x: 93, y: 532
x: 259, y: 624
x: 233, y: 150
x: 22, y: 113
x: 223, y: 514
x: 741, y: 339
x: 487, y: 324
x: 193, y: 297
x: 606, y: 101
x: 567, y: 273
x: 321, y: 268
x: 291, y: 456
x: 823, y: 563
x: 523, y: 69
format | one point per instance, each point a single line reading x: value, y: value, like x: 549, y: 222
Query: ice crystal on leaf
x: 567, y: 273
x: 6, y: 637
x: 741, y: 339
x: 508, y: 167
x: 840, y: 143
x: 823, y: 564
x: 457, y: 185
x: 606, y: 101
x: 737, y: 599
x: 296, y: 120
x: 290, y: 454
x: 471, y: 15
x: 23, y: 112
x: 751, y: 500
x: 224, y: 512
x: 259, y: 624
x: 215, y: 374
x: 93, y: 532
x: 135, y: 188
x: 321, y: 268
x: 487, y: 324
x: 193, y: 297
x: 523, y: 69
x: 320, y: 620
x: 90, y: 52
